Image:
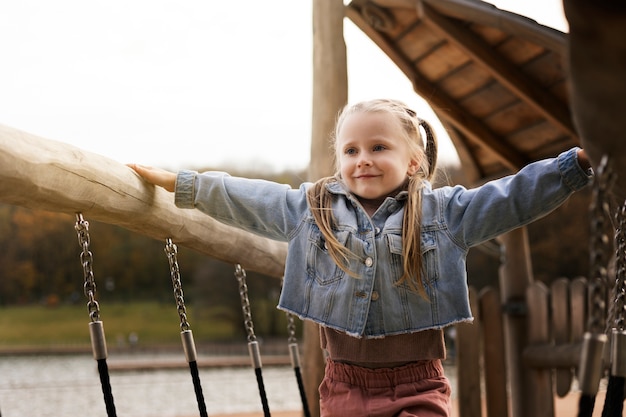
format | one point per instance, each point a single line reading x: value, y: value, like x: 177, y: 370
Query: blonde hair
x: 421, y: 149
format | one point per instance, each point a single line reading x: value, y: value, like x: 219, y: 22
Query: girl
x: 375, y: 255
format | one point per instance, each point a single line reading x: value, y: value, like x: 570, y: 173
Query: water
x: 59, y: 386
x: 69, y: 386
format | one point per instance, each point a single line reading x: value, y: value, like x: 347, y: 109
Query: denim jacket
x: 373, y: 305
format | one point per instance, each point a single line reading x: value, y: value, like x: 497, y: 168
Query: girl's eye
x: 379, y: 148
x: 350, y: 151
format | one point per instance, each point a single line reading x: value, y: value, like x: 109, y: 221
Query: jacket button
x: 374, y: 295
x: 361, y: 294
x: 369, y: 261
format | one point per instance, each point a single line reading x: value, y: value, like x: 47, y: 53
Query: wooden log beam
x: 44, y: 174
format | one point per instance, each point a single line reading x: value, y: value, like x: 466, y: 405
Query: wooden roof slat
x: 509, y: 119
x: 485, y: 101
x: 518, y: 51
x: 532, y: 137
x: 547, y: 69
x: 465, y: 80
x: 504, y: 71
x: 441, y: 61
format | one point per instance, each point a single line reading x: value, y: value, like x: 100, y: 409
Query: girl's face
x: 374, y: 158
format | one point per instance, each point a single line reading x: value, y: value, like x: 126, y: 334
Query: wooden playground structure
x: 501, y: 87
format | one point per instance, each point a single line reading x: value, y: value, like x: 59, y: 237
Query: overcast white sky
x: 184, y: 84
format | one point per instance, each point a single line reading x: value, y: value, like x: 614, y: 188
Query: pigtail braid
x: 431, y: 148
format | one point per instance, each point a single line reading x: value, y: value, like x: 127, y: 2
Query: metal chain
x: 618, y: 314
x: 291, y: 329
x: 86, y: 260
x: 599, y: 248
x: 240, y: 274
x: 171, y: 251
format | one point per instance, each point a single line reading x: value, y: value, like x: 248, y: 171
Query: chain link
x: 618, y: 314
x: 240, y: 274
x: 171, y: 251
x: 599, y: 248
x: 291, y: 329
x: 86, y: 260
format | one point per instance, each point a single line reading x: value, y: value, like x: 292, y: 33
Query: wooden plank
x: 494, y: 362
x: 465, y: 80
x: 487, y: 100
x: 441, y: 61
x: 559, y: 296
x: 578, y: 308
x: 519, y: 51
x: 547, y: 69
x: 44, y: 174
x: 536, y: 136
x: 547, y: 355
x: 468, y: 364
x: 541, y: 398
x: 512, y: 118
x: 419, y: 41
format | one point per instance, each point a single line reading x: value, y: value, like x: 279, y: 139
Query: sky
x: 187, y: 84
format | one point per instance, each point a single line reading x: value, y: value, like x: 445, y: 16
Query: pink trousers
x: 414, y: 390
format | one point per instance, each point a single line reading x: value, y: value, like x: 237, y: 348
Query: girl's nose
x: 364, y: 160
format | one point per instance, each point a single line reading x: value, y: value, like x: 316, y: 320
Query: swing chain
x: 240, y: 274
x: 600, y: 247
x: 619, y: 313
x: 291, y: 329
x: 171, y: 250
x: 86, y: 259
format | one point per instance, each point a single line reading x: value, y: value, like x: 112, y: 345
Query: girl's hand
x: 156, y: 176
x: 583, y: 159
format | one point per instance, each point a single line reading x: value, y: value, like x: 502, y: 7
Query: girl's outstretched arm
x: 156, y: 176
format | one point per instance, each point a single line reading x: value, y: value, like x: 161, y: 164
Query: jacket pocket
x: 320, y: 266
x: 429, y: 257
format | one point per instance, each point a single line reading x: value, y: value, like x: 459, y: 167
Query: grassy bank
x: 153, y: 323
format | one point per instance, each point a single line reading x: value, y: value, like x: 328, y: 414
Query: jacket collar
x: 340, y: 188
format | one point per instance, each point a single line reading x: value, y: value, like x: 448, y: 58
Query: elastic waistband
x: 383, y: 377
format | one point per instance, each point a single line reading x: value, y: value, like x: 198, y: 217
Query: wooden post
x: 468, y: 364
x: 515, y: 276
x: 330, y: 95
x: 561, y: 325
x: 540, y: 402
x: 494, y: 361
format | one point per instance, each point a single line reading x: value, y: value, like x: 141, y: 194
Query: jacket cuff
x: 573, y: 174
x: 184, y: 195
